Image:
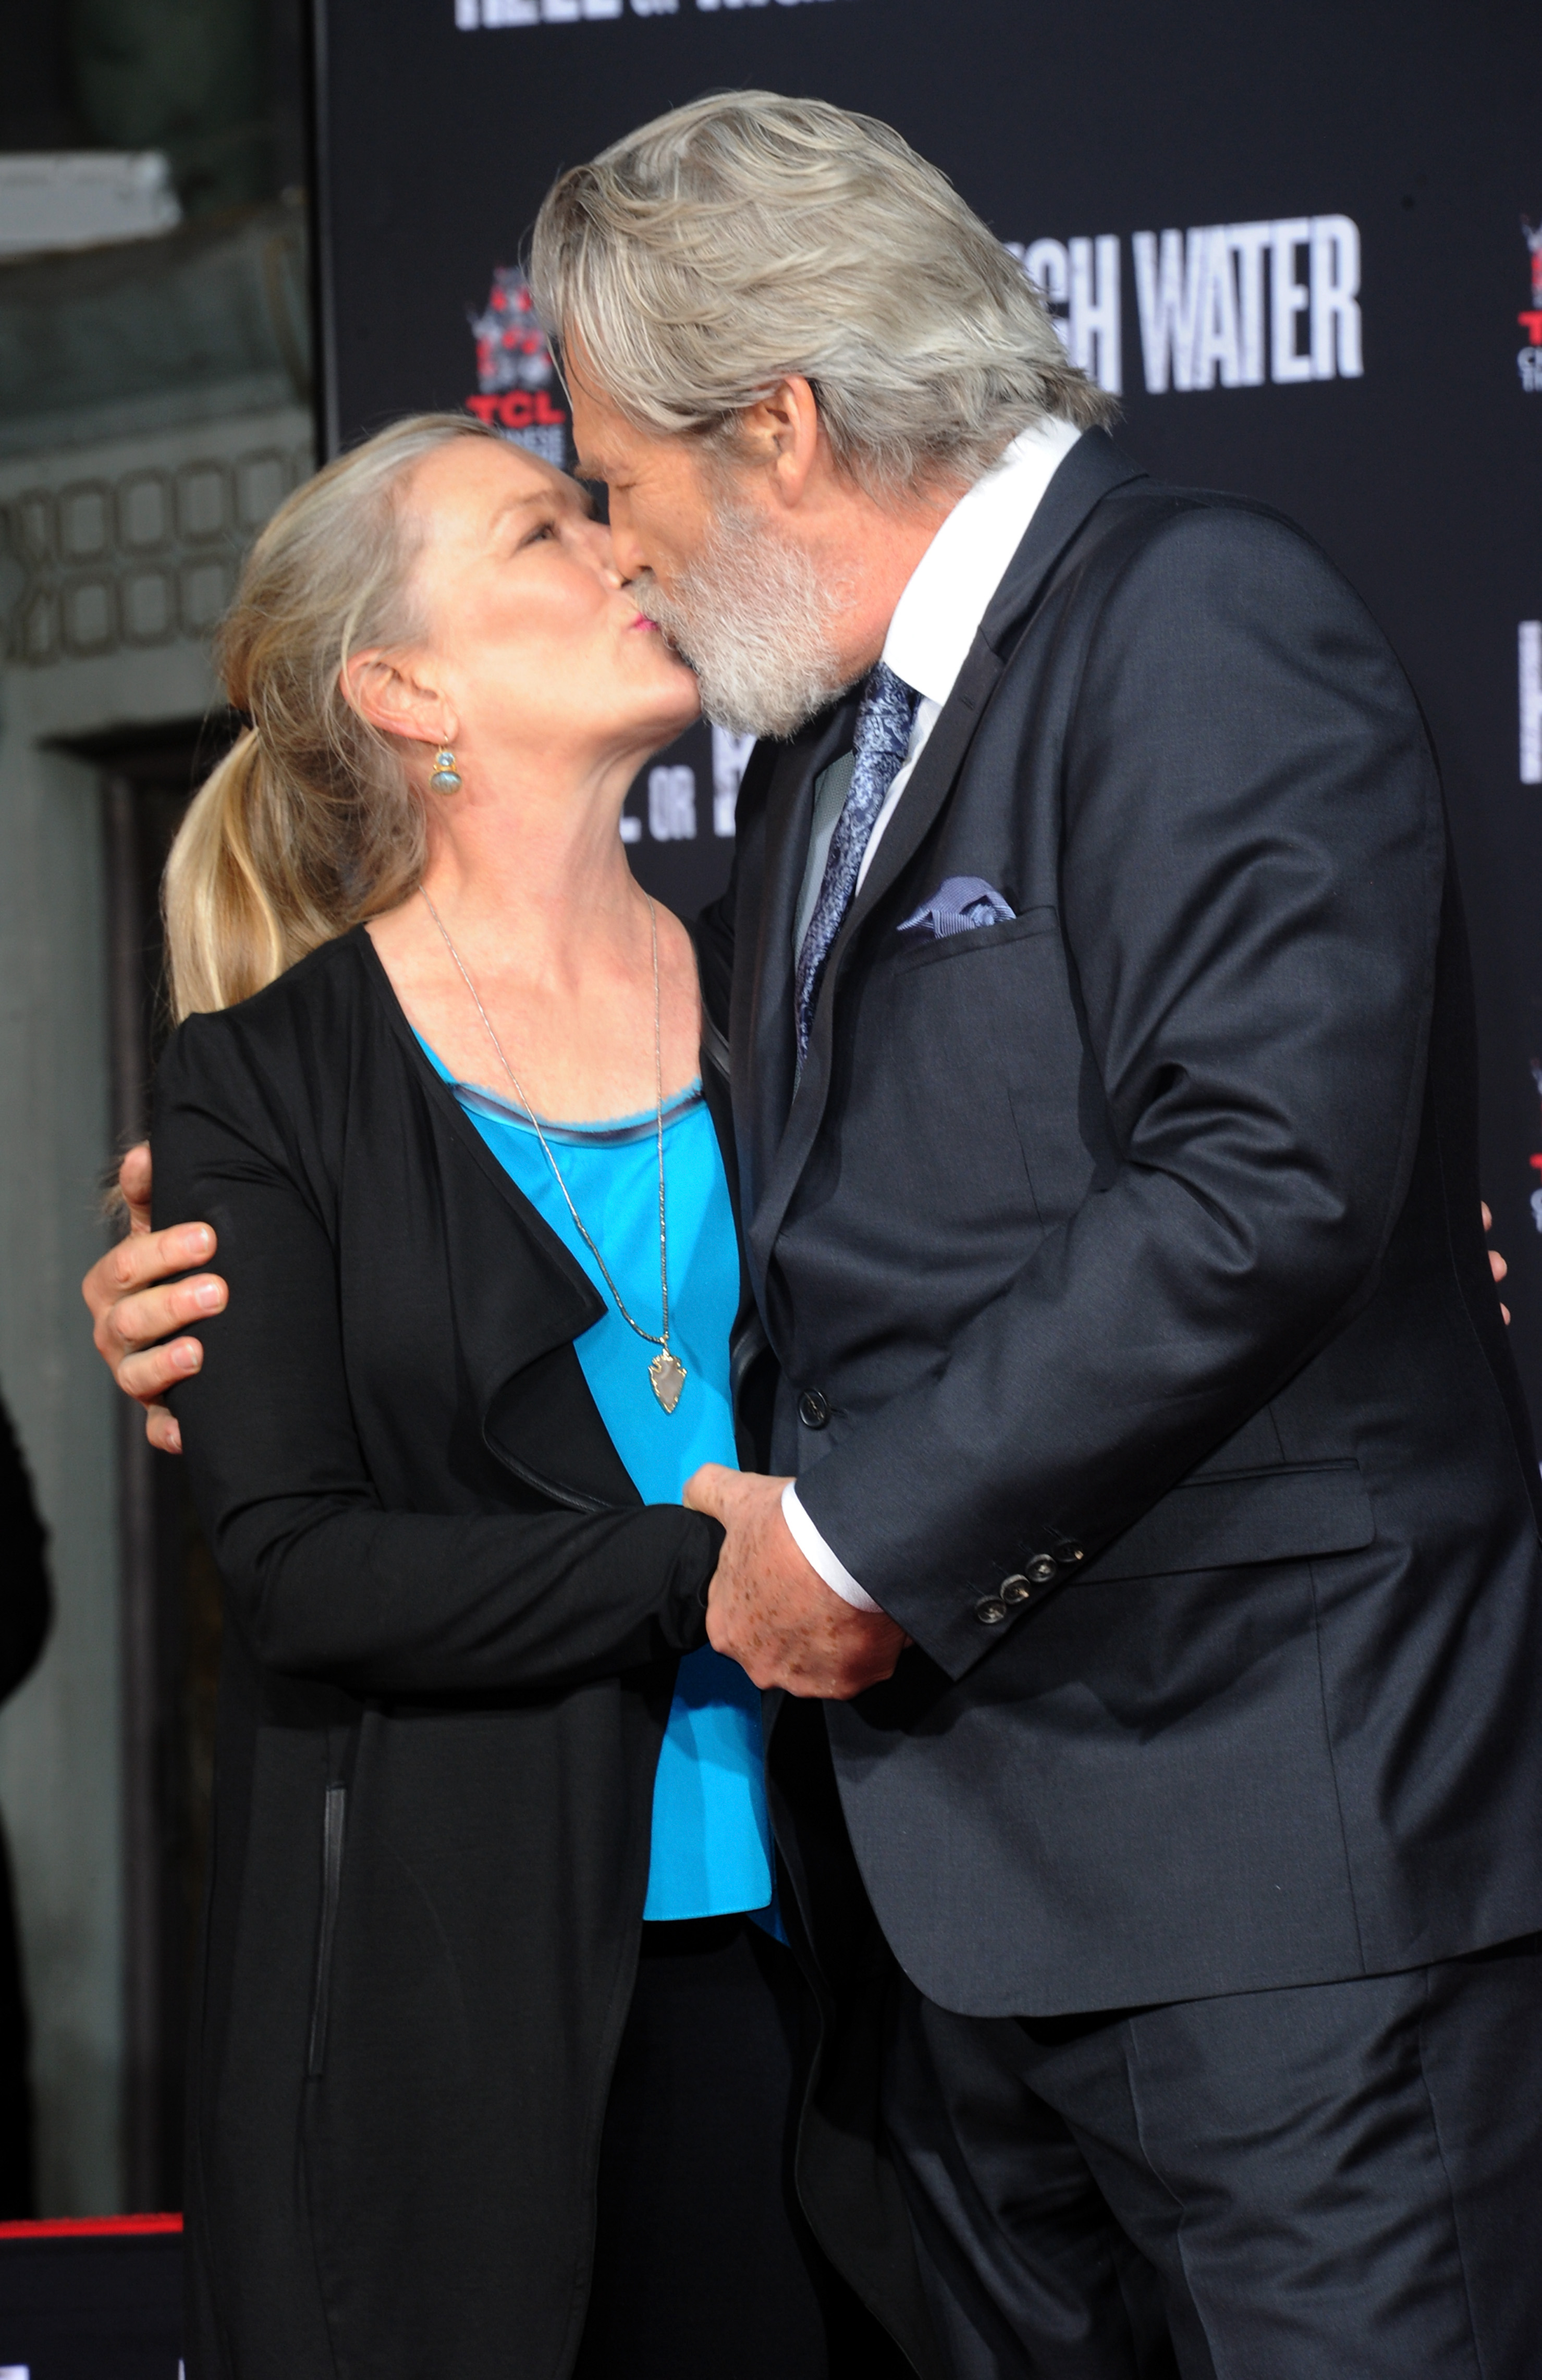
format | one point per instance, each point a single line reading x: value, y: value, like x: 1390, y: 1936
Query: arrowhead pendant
x: 668, y: 1375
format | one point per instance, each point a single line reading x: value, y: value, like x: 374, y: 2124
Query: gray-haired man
x: 1152, y: 1503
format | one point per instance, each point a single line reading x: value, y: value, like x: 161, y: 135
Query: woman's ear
x: 389, y: 695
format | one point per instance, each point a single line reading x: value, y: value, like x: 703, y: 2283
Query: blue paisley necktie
x: 880, y: 743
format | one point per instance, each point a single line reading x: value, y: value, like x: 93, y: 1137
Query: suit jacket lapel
x: 1093, y: 466
x: 1089, y: 472
x: 763, y: 1044
x: 1092, y: 469
x: 934, y: 774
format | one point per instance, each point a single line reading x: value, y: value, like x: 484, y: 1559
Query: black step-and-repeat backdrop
x: 1302, y: 242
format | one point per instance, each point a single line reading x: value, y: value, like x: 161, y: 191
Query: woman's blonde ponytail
x: 310, y: 822
x: 233, y: 921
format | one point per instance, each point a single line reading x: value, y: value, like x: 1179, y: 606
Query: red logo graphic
x: 1529, y: 361
x: 517, y: 391
x: 1536, y: 1162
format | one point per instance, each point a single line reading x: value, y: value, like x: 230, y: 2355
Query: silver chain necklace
x: 666, y: 1371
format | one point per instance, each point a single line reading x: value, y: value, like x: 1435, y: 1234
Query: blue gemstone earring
x: 446, y: 779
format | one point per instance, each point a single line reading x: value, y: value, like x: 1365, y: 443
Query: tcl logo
x: 517, y: 408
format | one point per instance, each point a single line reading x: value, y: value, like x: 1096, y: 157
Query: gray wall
x: 133, y: 470
x: 58, y: 1738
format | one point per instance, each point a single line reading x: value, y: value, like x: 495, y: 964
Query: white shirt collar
x: 947, y: 594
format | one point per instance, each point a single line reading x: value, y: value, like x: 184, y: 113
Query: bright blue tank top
x: 712, y: 1851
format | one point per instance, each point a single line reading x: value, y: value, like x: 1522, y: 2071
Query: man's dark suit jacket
x: 1134, y: 1245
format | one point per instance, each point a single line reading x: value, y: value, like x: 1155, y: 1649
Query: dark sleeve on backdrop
x: 713, y: 932
x: 24, y: 1600
x: 324, y: 1582
x: 1252, y: 877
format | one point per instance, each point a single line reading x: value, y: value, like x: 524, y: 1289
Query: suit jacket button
x: 991, y: 1610
x: 1042, y: 1569
x: 813, y: 1410
x: 1071, y: 1554
x: 1015, y: 1589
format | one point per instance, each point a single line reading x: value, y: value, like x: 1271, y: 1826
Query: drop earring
x: 445, y: 778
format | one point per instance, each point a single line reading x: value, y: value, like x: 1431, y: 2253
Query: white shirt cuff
x: 812, y: 1546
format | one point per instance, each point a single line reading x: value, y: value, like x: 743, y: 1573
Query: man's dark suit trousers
x: 1338, y: 2178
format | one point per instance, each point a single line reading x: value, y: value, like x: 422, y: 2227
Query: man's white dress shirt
x: 934, y: 625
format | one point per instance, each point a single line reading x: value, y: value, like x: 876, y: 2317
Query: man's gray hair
x: 747, y: 237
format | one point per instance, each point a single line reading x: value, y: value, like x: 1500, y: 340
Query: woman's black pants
x: 704, y: 2266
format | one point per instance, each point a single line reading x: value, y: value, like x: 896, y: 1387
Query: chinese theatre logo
x: 1529, y: 361
x: 518, y: 390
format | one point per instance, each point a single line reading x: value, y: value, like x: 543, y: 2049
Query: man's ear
x: 783, y: 431
x: 389, y: 694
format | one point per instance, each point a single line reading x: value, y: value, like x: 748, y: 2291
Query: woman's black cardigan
x: 452, y: 1632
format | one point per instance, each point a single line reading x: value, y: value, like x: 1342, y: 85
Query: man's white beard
x: 751, y: 617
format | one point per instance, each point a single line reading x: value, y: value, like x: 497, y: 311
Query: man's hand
x: 132, y: 1312
x: 768, y: 1608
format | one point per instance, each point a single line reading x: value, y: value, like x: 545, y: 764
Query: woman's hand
x: 134, y: 1315
x: 1497, y: 1264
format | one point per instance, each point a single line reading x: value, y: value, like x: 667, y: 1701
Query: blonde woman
x: 492, y: 1937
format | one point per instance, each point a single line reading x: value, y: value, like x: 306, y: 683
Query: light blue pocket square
x: 959, y: 904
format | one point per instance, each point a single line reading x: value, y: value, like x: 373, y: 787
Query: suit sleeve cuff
x: 812, y: 1546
